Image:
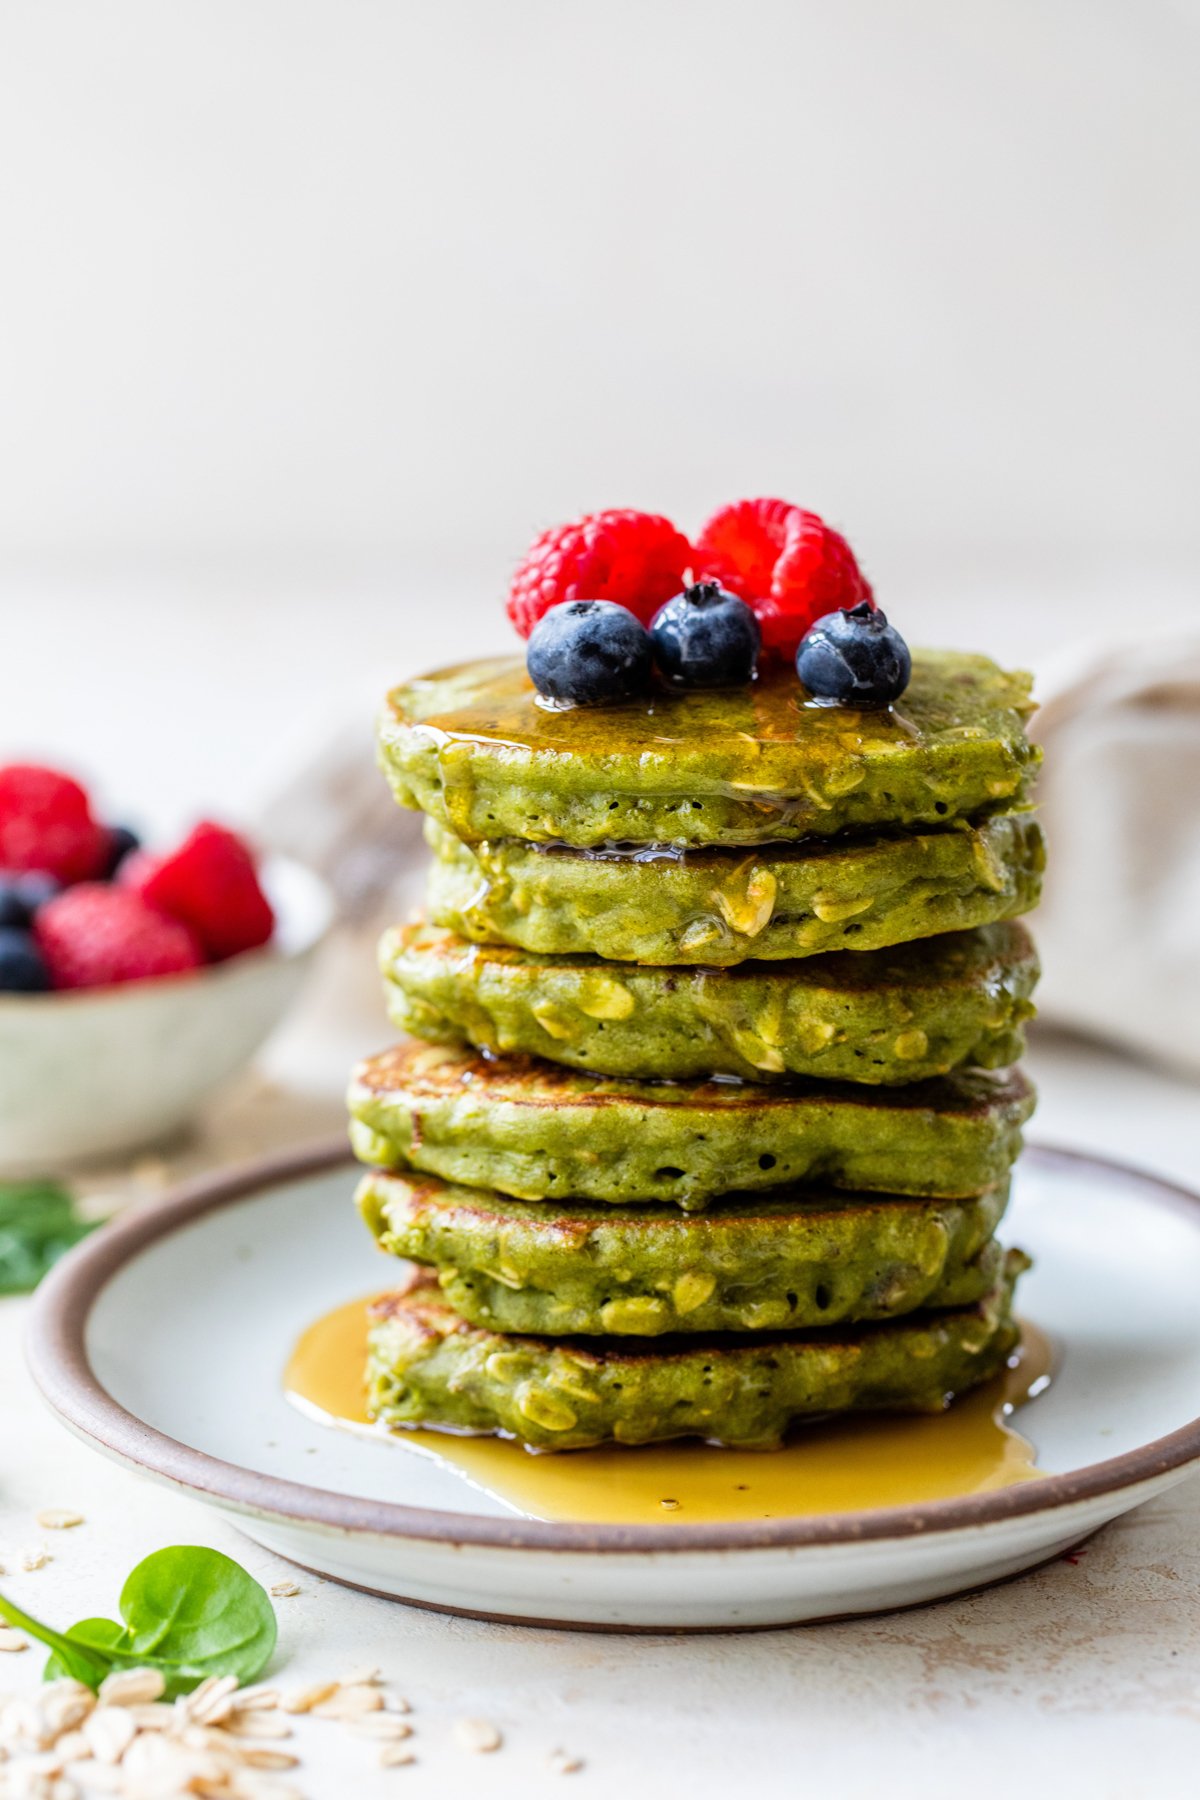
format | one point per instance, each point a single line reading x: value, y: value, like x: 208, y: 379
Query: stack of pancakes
x: 706, y: 1118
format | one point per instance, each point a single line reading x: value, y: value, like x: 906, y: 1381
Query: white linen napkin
x: 1119, y: 926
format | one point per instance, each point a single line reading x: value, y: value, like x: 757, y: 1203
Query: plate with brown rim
x: 162, y: 1339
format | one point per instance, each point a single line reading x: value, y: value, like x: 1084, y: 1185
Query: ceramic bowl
x: 103, y: 1071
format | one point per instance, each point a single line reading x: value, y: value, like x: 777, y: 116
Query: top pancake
x: 477, y: 749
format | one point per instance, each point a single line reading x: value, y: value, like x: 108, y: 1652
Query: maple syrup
x: 848, y: 1464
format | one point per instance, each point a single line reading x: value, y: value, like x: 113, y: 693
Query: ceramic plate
x: 162, y: 1341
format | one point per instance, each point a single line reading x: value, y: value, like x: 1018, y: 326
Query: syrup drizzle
x: 841, y: 1465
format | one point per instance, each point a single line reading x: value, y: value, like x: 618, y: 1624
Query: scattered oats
x: 37, y: 1558
x: 58, y: 1788
x: 48, y: 1763
x: 153, y: 1715
x: 133, y: 1744
x: 207, y: 1737
x: 350, y: 1703
x: 101, y: 1779
x: 108, y: 1732
x: 561, y: 1762
x: 479, y: 1735
x: 12, y: 1640
x: 132, y: 1687
x: 396, y: 1756
x: 59, y: 1518
x: 151, y: 1172
x: 22, y: 1726
x: 100, y: 1206
x: 285, y: 1590
x: 257, y: 1699
x: 65, y: 1704
x: 212, y: 1701
x: 304, y: 1699
x: 257, y: 1724
x: 255, y: 1756
x: 382, y: 1725
x: 155, y: 1767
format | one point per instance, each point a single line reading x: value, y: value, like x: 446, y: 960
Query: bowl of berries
x: 133, y: 982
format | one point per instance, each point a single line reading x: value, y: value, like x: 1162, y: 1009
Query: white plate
x: 162, y: 1339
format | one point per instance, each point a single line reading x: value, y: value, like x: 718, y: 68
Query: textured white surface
x: 1081, y: 1678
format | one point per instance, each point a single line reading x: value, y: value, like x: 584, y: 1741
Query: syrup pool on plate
x: 839, y: 1465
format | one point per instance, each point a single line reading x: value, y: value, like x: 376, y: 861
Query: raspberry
x: 209, y: 884
x: 634, y: 558
x: 95, y: 935
x: 785, y: 562
x: 46, y: 823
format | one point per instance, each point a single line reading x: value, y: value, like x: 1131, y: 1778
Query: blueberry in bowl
x: 22, y: 967
x: 22, y: 893
x: 131, y: 984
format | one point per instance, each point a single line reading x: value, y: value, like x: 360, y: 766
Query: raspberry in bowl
x: 133, y: 981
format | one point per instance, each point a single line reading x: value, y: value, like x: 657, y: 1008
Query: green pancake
x: 536, y: 1131
x: 890, y: 1016
x: 783, y: 1261
x: 428, y: 1366
x: 475, y: 748
x: 720, y: 907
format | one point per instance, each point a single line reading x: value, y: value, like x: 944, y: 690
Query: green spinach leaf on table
x: 38, y: 1222
x: 187, y: 1611
x: 199, y: 1612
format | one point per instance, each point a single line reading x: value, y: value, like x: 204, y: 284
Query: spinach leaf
x: 195, y: 1611
x: 38, y: 1222
x: 187, y: 1611
x: 96, y: 1634
x: 69, y: 1658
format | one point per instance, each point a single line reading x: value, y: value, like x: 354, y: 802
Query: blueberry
x: 13, y: 910
x: 22, y: 970
x: 706, y: 638
x: 120, y: 841
x: 587, y: 652
x: 855, y: 658
x: 22, y: 892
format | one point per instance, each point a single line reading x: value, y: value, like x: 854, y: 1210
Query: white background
x: 287, y: 277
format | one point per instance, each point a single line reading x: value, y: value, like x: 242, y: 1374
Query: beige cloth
x: 1119, y: 927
